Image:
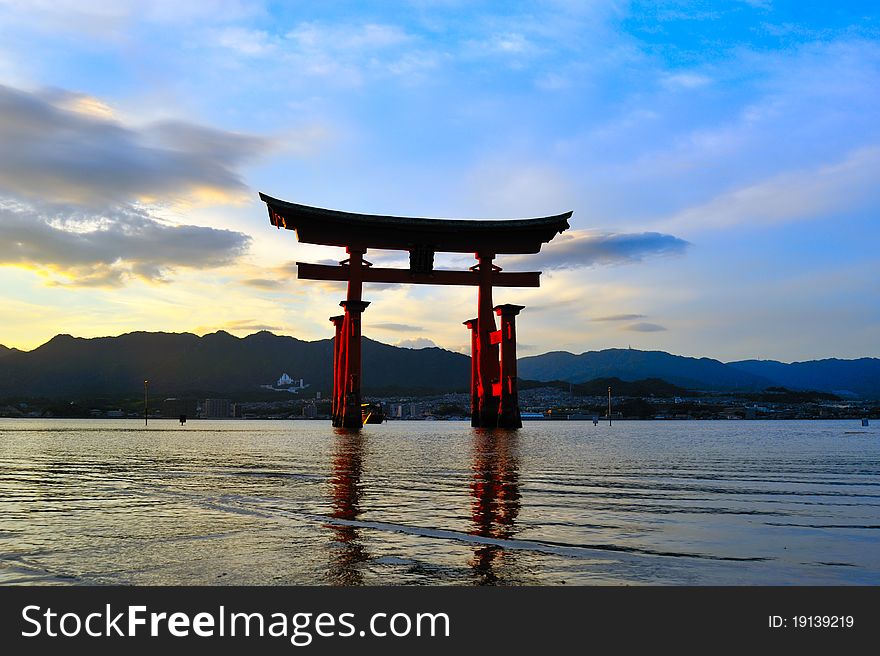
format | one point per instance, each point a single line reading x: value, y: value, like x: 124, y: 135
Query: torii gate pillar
x: 508, y: 405
x: 346, y: 401
x: 335, y: 399
x: 475, y: 368
x: 487, y: 349
x: 494, y: 401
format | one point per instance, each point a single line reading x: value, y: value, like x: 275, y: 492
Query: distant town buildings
x: 216, y: 409
x: 175, y: 407
x: 537, y: 403
x: 406, y: 410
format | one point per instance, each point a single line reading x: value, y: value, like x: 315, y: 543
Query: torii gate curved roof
x: 315, y: 225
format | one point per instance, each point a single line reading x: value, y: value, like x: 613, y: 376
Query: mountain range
x: 217, y: 363
x: 220, y: 363
x: 860, y: 377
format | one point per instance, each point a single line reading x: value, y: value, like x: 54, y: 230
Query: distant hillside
x: 860, y: 377
x: 631, y: 365
x: 177, y: 363
x: 783, y: 395
x: 599, y: 387
x: 219, y: 363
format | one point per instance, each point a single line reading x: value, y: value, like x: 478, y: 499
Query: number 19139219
x: 811, y: 622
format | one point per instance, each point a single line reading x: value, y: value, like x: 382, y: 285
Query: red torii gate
x: 494, y: 401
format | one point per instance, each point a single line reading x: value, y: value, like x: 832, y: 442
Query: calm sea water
x: 276, y: 502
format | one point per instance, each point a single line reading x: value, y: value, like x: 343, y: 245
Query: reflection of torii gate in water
x: 493, y: 352
x: 495, y: 507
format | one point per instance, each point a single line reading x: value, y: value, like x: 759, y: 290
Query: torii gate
x: 494, y: 401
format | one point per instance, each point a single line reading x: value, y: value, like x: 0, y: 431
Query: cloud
x: 806, y: 109
x: 251, y: 43
x: 585, y: 248
x: 76, y: 181
x: 619, y: 317
x: 830, y: 190
x: 342, y: 54
x: 288, y: 269
x: 249, y: 324
x: 345, y: 54
x: 557, y: 304
x: 685, y: 80
x: 240, y: 326
x: 98, y: 19
x: 352, y: 38
x: 509, y: 44
x: 64, y: 147
x: 281, y: 276
x: 397, y: 327
x: 417, y: 343
x: 106, y: 249
x: 644, y: 327
x: 514, y: 190
x: 387, y: 258
x: 263, y: 283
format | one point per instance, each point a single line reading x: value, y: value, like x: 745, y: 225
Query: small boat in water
x: 372, y: 413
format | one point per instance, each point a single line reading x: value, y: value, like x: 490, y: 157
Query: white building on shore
x: 287, y: 384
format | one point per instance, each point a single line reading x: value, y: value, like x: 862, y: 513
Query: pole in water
x: 609, y: 406
x: 146, y: 382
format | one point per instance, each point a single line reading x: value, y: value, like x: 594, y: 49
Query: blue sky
x: 721, y: 159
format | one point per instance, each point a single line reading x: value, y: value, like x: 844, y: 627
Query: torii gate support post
x: 335, y: 403
x: 475, y: 377
x: 349, y: 413
x: 487, y: 351
x: 508, y: 409
x: 347, y: 376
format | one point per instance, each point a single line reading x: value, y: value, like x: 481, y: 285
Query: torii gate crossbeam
x: 493, y: 351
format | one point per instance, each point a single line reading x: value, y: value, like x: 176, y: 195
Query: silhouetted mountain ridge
x: 631, y: 365
x: 860, y: 377
x: 176, y: 363
x: 220, y: 363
